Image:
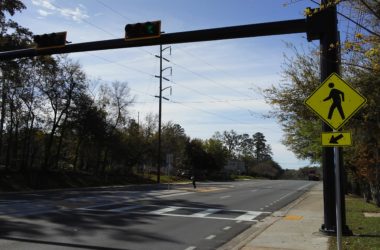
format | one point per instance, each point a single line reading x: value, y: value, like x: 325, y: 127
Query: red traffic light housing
x: 142, y: 30
x: 52, y: 40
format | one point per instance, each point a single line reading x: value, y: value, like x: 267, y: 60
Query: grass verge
x: 366, y: 230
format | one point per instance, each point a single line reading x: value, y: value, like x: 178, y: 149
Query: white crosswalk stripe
x: 177, y: 211
x: 206, y: 212
x: 248, y: 216
x: 164, y: 210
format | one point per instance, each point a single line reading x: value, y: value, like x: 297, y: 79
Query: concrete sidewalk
x: 294, y: 227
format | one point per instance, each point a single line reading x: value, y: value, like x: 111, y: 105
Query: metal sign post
x: 337, y: 200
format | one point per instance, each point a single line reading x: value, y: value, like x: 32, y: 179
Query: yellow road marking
x: 293, y: 217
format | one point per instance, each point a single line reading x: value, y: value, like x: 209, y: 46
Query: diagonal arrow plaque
x: 336, y: 139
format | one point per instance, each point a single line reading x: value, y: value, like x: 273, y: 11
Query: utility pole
x: 159, y: 160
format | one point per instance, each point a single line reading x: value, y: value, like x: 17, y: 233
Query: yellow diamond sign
x: 335, y: 101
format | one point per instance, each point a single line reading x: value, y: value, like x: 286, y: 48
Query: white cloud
x: 46, y: 4
x: 44, y: 13
x: 47, y: 7
x: 78, y: 14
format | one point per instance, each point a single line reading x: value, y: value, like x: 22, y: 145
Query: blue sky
x: 215, y: 85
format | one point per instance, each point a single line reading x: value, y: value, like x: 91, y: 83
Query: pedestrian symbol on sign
x: 337, y: 97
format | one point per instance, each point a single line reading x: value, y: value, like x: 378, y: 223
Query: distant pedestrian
x: 193, y: 180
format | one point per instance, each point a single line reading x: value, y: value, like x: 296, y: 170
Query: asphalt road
x: 141, y: 217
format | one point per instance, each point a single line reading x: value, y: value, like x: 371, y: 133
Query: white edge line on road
x: 298, y: 189
x: 210, y: 237
x: 191, y: 248
x: 227, y: 228
x: 226, y: 196
x: 304, y: 186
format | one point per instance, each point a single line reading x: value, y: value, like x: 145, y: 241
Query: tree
x: 246, y: 146
x: 88, y: 128
x: 361, y: 51
x: 262, y: 151
x: 114, y: 100
x: 60, y: 79
x: 218, y: 152
x: 196, y: 157
x: 174, y: 141
x: 12, y: 36
x: 268, y: 169
x: 302, y: 128
x: 10, y: 6
x: 230, y: 140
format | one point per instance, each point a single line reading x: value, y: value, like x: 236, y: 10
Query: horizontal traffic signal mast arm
x: 250, y: 30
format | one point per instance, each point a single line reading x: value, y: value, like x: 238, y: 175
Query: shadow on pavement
x: 78, y: 229
x: 60, y: 244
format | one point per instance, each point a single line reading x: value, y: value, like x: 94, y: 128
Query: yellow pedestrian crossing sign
x: 335, y: 101
x: 336, y: 139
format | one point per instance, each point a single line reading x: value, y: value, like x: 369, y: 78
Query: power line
x: 351, y: 20
x: 84, y: 20
x: 107, y: 60
x: 210, y: 80
x: 183, y: 67
x: 222, y: 101
x: 208, y: 112
x: 206, y: 78
x: 217, y: 115
x: 218, y: 101
x: 122, y: 65
x: 209, y: 64
x: 214, y: 98
x: 115, y: 11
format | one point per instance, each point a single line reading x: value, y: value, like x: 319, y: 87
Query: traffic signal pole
x: 330, y: 63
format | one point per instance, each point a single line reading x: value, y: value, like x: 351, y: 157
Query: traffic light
x: 52, y: 40
x: 142, y: 30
